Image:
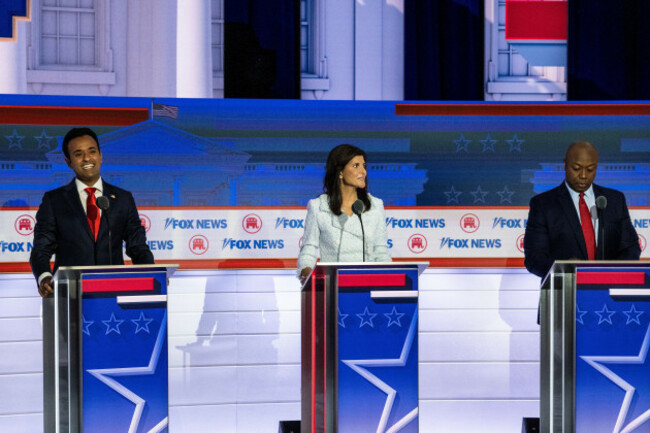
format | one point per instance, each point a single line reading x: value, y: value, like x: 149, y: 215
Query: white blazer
x: 338, y: 237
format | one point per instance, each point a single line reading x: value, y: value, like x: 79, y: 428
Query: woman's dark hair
x: 337, y: 159
x: 76, y: 133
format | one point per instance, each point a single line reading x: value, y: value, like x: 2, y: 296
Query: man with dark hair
x: 70, y: 225
x: 565, y: 224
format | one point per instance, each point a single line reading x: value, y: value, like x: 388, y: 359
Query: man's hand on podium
x: 304, y: 274
x: 45, y: 289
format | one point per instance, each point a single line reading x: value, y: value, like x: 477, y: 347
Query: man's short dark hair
x: 76, y: 133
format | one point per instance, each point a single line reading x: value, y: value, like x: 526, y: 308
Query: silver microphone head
x: 601, y: 202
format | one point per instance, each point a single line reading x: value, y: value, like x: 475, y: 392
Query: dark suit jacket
x: 553, y: 230
x: 62, y: 229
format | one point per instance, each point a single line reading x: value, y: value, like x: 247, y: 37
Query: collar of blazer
x: 341, y: 221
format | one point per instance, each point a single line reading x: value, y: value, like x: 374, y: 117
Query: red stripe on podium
x: 536, y: 20
x: 610, y: 277
x: 107, y: 285
x: 375, y: 280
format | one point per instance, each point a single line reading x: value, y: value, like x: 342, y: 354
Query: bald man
x: 556, y: 230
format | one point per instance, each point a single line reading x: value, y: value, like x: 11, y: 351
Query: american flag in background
x: 164, y: 110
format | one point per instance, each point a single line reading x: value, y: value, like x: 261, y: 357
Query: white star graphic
x: 605, y: 315
x: 595, y: 362
x: 488, y: 143
x: 112, y: 325
x: 633, y: 312
x: 43, y: 140
x: 479, y: 195
x: 462, y: 144
x: 358, y: 364
x: 452, y: 195
x: 103, y: 376
x: 506, y: 195
x: 366, y: 318
x: 15, y: 140
x: 394, y: 317
x: 515, y: 143
x: 142, y: 323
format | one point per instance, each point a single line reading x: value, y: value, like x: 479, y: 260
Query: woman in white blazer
x: 331, y: 225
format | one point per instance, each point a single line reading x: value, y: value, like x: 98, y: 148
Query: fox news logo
x: 196, y: 224
x: 155, y: 245
x: 450, y: 243
x: 15, y: 247
x: 503, y: 223
x: 469, y: 223
x: 641, y: 223
x: 417, y: 243
x: 24, y: 225
x: 420, y: 223
x: 286, y: 223
x: 250, y: 244
x: 251, y: 223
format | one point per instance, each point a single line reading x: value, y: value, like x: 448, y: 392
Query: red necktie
x: 587, y: 227
x: 92, y: 211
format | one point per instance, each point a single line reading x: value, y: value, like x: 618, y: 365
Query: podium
x: 359, y: 370
x: 595, y: 335
x: 105, y: 350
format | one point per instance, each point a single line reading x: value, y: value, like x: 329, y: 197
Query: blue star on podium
x: 640, y: 359
x: 142, y: 323
x: 366, y: 318
x: 113, y: 324
x: 358, y: 366
x: 580, y: 315
x: 86, y: 325
x: 394, y: 317
x: 633, y: 315
x: 342, y: 317
x: 106, y: 376
x: 605, y: 315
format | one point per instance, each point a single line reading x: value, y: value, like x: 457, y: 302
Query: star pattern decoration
x: 633, y: 315
x: 342, y: 318
x: 580, y: 314
x: 86, y: 325
x: 452, y: 195
x: 142, y: 323
x: 597, y: 363
x: 43, y: 140
x: 105, y: 375
x: 605, y: 315
x: 488, y: 144
x: 366, y: 318
x: 358, y: 366
x: 462, y: 144
x: 505, y: 195
x: 15, y: 140
x: 394, y: 317
x: 515, y: 143
x: 112, y: 325
x: 479, y: 195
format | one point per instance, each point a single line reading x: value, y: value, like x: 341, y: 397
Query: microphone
x: 358, y: 207
x: 601, y: 204
x: 103, y: 203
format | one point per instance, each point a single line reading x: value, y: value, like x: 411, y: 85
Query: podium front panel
x: 124, y: 352
x: 612, y: 372
x: 377, y: 350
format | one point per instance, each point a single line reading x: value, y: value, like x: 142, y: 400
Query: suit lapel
x: 72, y: 197
x: 566, y: 204
x: 341, y: 222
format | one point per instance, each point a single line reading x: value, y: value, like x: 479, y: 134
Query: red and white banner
x: 270, y: 237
